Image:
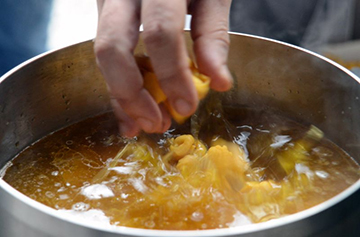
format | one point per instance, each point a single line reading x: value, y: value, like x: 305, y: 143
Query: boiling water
x: 79, y: 172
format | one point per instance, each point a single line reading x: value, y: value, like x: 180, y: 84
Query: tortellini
x: 201, y: 83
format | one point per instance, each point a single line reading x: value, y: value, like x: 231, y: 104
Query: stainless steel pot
x: 61, y: 87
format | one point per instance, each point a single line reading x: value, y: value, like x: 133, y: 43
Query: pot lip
x: 347, y: 71
x: 245, y: 229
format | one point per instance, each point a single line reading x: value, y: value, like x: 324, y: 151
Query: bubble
x: 49, y: 194
x: 97, y: 191
x: 55, y: 173
x: 335, y: 163
x: 63, y: 196
x: 149, y: 224
x: 80, y: 206
x: 322, y: 174
x: 124, y: 195
x: 197, y: 216
x: 62, y: 189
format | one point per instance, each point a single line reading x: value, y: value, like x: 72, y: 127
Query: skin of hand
x: 163, y: 23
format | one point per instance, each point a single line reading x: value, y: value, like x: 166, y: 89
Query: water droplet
x: 63, y: 196
x: 80, y: 206
x: 49, y: 194
x: 150, y: 224
x: 197, y: 216
x: 321, y: 174
x: 62, y: 189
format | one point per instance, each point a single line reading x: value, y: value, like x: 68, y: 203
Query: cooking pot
x: 61, y: 87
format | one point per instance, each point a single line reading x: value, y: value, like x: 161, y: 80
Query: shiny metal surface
x: 65, y: 86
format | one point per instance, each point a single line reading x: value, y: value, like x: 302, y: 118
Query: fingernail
x: 145, y: 124
x: 165, y: 126
x: 226, y: 81
x: 226, y: 74
x: 183, y: 107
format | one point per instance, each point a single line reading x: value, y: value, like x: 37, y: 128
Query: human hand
x: 163, y: 22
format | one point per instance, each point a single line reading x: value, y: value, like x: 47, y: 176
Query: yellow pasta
x: 185, y: 145
x: 201, y: 83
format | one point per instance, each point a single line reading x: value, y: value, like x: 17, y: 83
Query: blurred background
x: 329, y: 27
x: 71, y: 21
x: 31, y: 27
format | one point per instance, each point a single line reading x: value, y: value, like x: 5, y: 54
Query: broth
x: 239, y: 171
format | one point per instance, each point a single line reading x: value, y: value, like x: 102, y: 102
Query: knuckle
x: 222, y: 33
x: 125, y: 96
x: 219, y: 32
x: 157, y: 33
x: 106, y: 49
x: 103, y: 48
x: 175, y: 73
x: 224, y: 41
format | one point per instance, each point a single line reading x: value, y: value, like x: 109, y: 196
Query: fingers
x: 99, y: 4
x: 163, y: 23
x: 116, y: 39
x: 209, y: 30
x: 166, y: 123
x: 127, y: 125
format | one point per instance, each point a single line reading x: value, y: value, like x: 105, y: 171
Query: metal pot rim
x: 213, y: 232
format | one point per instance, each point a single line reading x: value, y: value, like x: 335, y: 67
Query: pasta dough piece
x: 229, y: 169
x: 186, y: 145
x: 201, y: 83
x: 299, y: 152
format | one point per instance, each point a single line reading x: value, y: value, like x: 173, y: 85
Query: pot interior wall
x: 65, y: 86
